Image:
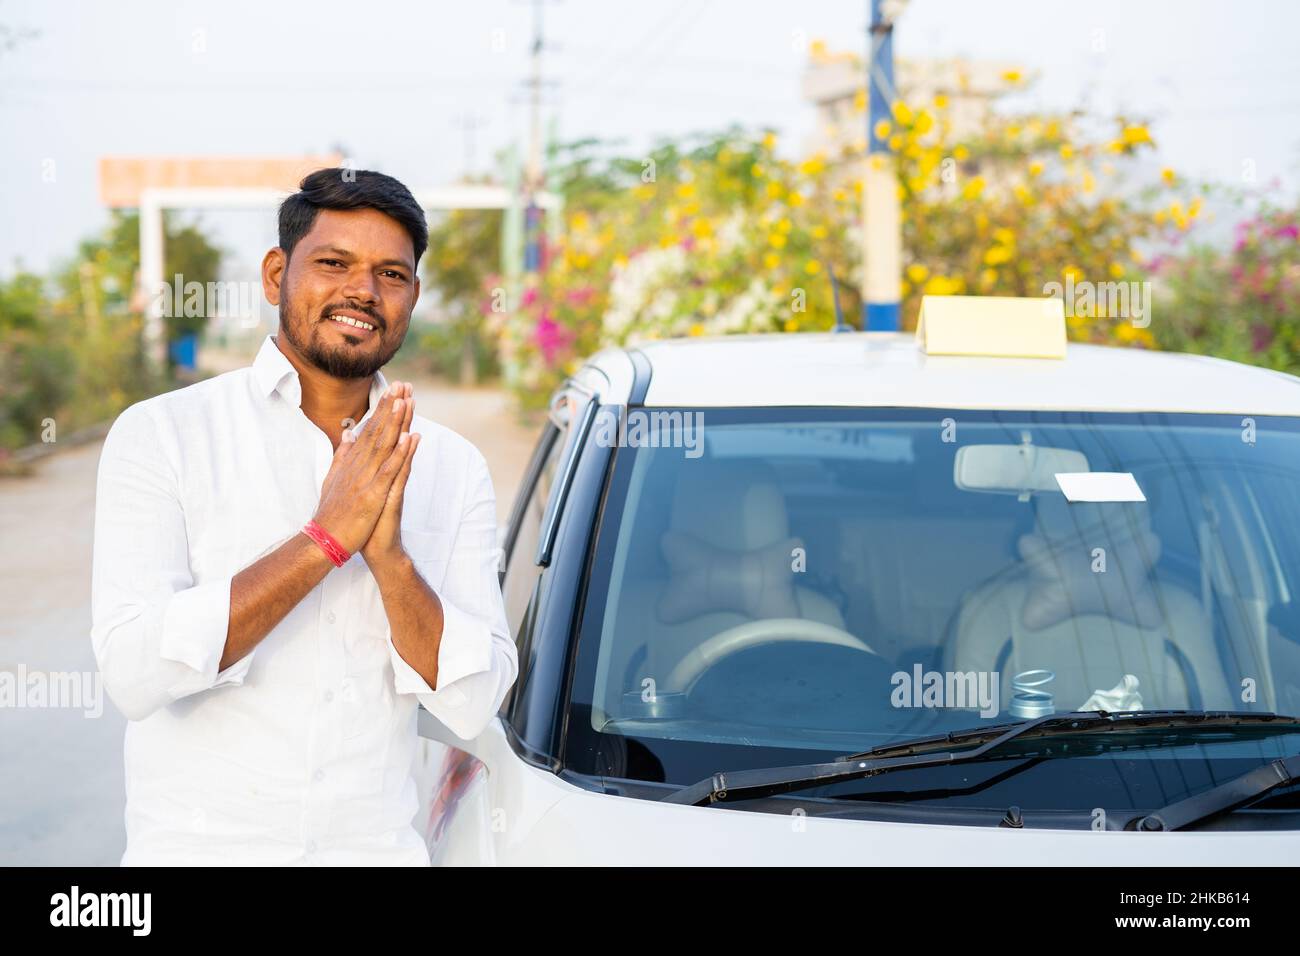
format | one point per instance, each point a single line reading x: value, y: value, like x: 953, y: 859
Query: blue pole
x: 882, y: 226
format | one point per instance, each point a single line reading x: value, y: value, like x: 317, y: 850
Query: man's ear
x: 416, y: 297
x: 273, y: 265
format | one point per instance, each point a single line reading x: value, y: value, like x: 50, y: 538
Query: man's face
x: 346, y: 293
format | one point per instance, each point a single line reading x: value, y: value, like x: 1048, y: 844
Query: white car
x: 831, y: 598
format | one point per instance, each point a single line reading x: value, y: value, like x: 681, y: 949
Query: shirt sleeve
x: 477, y: 660
x: 158, y: 635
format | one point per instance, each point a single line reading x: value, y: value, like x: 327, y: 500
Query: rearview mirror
x: 1014, y: 469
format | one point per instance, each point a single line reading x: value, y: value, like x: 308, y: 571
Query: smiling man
x: 288, y: 561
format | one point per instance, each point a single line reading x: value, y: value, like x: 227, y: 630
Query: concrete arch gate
x: 155, y: 184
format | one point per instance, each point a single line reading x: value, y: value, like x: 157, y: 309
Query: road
x: 62, y: 797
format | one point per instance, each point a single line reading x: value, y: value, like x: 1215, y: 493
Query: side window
x: 521, y: 571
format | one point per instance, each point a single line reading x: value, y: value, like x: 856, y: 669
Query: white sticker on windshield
x: 1100, y: 486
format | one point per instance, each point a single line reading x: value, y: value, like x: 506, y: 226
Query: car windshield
x: 810, y: 582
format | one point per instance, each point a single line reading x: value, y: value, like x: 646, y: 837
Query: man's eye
x: 395, y: 275
x: 331, y: 262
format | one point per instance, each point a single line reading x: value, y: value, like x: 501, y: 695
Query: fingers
x: 397, y: 492
x: 396, y: 459
x: 369, y: 437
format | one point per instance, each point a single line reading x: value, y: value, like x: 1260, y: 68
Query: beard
x: 339, y: 361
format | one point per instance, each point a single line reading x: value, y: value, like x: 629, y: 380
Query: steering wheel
x: 773, y: 630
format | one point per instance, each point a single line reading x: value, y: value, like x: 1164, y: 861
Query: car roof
x: 880, y: 369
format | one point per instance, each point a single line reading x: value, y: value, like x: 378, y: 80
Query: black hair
x: 340, y: 188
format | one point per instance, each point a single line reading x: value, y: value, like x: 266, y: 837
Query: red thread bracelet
x: 333, y: 550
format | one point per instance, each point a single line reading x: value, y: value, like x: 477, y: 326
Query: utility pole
x: 534, y: 175
x: 882, y: 223
x: 467, y: 123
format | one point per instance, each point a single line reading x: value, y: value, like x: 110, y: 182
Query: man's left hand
x: 384, y: 549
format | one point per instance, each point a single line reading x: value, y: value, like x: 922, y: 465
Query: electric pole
x: 882, y: 223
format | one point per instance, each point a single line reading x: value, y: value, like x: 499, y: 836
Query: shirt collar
x: 275, y: 373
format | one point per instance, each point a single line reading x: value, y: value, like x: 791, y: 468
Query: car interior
x: 770, y: 589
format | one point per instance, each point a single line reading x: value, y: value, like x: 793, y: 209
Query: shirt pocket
x: 430, y: 552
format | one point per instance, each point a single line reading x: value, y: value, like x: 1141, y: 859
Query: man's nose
x: 361, y: 285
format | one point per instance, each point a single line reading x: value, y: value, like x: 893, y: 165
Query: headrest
x: 1070, y: 577
x: 728, y: 547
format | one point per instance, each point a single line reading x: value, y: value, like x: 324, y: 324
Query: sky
x: 398, y: 86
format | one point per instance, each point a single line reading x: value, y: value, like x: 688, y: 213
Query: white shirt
x: 302, y: 751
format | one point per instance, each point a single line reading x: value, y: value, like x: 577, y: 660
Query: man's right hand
x: 354, y: 491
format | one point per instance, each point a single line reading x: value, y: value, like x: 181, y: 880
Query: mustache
x: 366, y: 310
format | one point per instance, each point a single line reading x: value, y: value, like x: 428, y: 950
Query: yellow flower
x: 896, y: 142
x: 1116, y: 269
x: 860, y: 100
x: 1004, y: 235
x: 924, y: 123
x: 701, y: 228
x: 902, y: 112
x: 795, y: 198
x: 1012, y: 76
x: 960, y: 153
x: 1134, y: 135
x: 791, y: 324
x: 818, y: 232
x: 988, y: 277
x: 940, y: 101
x: 771, y: 260
x: 941, y: 285
x: 1067, y: 151
x: 813, y: 165
x: 696, y: 329
x: 776, y: 240
x: 973, y: 188
x: 1073, y: 273
x: 685, y: 190
x: 774, y: 189
x: 812, y: 267
x: 917, y: 272
x: 769, y: 141
x: 1168, y: 175
x: 997, y: 255
x: 756, y: 171
x: 882, y: 129
x: 1036, y: 168
x: 839, y: 195
x: 784, y: 226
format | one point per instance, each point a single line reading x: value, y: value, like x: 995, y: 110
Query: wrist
x: 326, y: 543
x: 390, y: 568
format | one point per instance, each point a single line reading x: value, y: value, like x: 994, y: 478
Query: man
x: 288, y: 560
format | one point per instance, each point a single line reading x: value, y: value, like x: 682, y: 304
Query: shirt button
x: 329, y: 696
x: 330, y: 617
x: 318, y: 776
x: 311, y: 846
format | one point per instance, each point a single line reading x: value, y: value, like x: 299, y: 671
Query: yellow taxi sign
x: 1002, y: 326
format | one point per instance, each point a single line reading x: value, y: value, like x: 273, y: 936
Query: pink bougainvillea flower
x: 551, y: 337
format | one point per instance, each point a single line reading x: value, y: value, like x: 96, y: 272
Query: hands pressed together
x: 361, y: 498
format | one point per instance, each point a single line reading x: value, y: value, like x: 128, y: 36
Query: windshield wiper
x: 1238, y: 792
x: 730, y: 786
